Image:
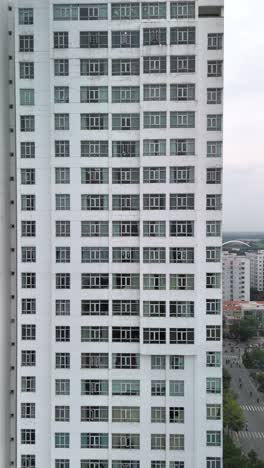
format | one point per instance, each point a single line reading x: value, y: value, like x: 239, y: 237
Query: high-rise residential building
x: 116, y: 180
x: 236, y: 277
x: 256, y: 269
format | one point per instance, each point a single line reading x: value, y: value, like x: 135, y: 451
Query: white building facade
x: 117, y: 189
x: 236, y: 277
x: 256, y: 269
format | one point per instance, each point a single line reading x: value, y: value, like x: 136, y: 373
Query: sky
x: 244, y: 116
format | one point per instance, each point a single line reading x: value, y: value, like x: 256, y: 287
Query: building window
x: 62, y: 440
x: 28, y: 202
x: 94, y: 334
x: 28, y: 358
x: 125, y: 67
x: 63, y: 280
x: 213, y: 228
x: 213, y: 202
x: 215, y: 68
x: 155, y: 64
x: 126, y: 414
x: 125, y: 39
x: 125, y: 202
x: 94, y: 360
x: 125, y: 121
x: 214, y: 175
x: 154, y: 175
x: 182, y: 228
x: 177, y: 389
x: 181, y: 309
x: 93, y: 12
x: 214, y: 95
x: 158, y: 442
x: 158, y: 387
x: 62, y: 333
x: 125, y: 307
x: 28, y: 461
x: 62, y: 413
x: 176, y: 415
x: 28, y: 332
x: 181, y: 336
x: 213, y: 412
x: 25, y: 16
x: 28, y: 306
x: 182, y: 35
x: 182, y: 92
x: 125, y: 175
x: 154, y: 281
x: 62, y: 463
x: 27, y: 123
x: 27, y: 97
x: 26, y: 43
x: 94, y: 440
x: 213, y: 439
x: 94, y: 149
x: 63, y: 228
x: 65, y: 12
x: 213, y: 280
x: 125, y: 360
x: 93, y: 39
x: 213, y: 333
x: 154, y: 228
x: 125, y: 149
x: 61, y: 94
x: 28, y: 280
x: 61, y: 121
x: 182, y: 201
x: 213, y: 462
x: 94, y: 121
x: 94, y: 387
x: 125, y: 228
x: 28, y: 384
x: 26, y: 70
x: 61, y: 40
x: 94, y: 94
x: 181, y: 255
x: 158, y: 414
x: 214, y: 149
x: 126, y: 441
x: 62, y: 175
x: 176, y: 441
x: 125, y: 94
x: 154, y: 255
x: 93, y: 67
x: 62, y: 306
x: 62, y: 387
x: 61, y: 67
x: 94, y: 228
x: 213, y: 359
x: 182, y: 10
x: 215, y: 41
x: 182, y: 63
x: 28, y: 228
x: 95, y: 254
x: 125, y: 255
x: 154, y: 36
x: 28, y: 436
x: 62, y: 148
x: 154, y: 335
x: 182, y: 120
x: 126, y: 387
x: 185, y: 147
x: 182, y: 175
x: 155, y: 201
x: 122, y: 11
x: 62, y: 201
x: 125, y: 281
x: 94, y: 202
x: 95, y: 281
x: 155, y: 120
x: 213, y: 254
x: 158, y: 362
x: 214, y: 122
x: 213, y: 306
x: 62, y: 360
x: 94, y: 413
x: 153, y: 10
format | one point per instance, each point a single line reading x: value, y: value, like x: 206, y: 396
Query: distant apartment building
x: 256, y: 269
x: 234, y: 311
x: 236, y: 277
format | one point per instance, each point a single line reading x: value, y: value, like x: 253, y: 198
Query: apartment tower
x: 115, y: 150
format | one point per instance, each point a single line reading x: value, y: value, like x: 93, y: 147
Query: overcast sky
x: 244, y: 116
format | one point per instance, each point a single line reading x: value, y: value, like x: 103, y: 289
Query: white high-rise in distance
x: 116, y: 180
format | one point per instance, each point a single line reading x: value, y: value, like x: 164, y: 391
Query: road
x: 247, y: 395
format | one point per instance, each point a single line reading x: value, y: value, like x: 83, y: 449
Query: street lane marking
x: 248, y: 435
x: 252, y: 408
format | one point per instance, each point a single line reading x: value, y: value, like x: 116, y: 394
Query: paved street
x: 250, y: 400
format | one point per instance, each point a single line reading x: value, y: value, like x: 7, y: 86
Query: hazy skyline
x: 243, y: 128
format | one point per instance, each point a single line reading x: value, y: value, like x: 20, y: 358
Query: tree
x: 245, y: 329
x: 254, y: 359
x: 234, y: 419
x: 226, y: 379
